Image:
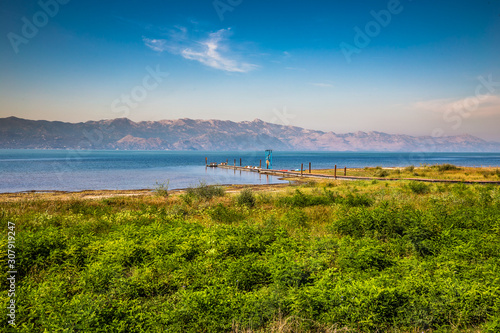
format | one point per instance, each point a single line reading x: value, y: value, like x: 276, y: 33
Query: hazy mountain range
x: 189, y: 134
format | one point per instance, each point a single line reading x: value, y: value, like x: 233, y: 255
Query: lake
x: 70, y: 170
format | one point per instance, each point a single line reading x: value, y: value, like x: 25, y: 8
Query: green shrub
x: 78, y: 206
x: 248, y: 273
x: 205, y: 192
x: 330, y: 196
x: 441, y: 188
x: 357, y: 200
x: 310, y: 183
x: 380, y: 222
x: 363, y: 254
x: 246, y: 198
x: 486, y: 174
x: 446, y: 167
x: 409, y: 168
x: 187, y: 198
x: 180, y: 210
x: 422, y: 238
x: 485, y: 198
x: 418, y: 187
x: 381, y: 173
x: 300, y: 199
x: 264, y: 198
x: 224, y: 214
x: 289, y: 272
x: 161, y: 189
x: 40, y: 249
x: 295, y: 217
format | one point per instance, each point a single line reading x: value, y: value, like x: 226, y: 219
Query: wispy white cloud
x: 213, y: 51
x: 478, y: 106
x: 283, y: 57
x: 158, y: 45
x: 321, y: 84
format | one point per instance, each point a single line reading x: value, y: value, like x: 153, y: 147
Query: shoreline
x: 289, y: 176
x: 103, y: 194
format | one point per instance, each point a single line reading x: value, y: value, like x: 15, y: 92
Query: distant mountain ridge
x: 221, y: 135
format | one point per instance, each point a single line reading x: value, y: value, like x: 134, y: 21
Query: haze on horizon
x: 410, y: 67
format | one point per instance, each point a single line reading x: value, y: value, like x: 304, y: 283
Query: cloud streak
x: 213, y: 51
x: 157, y: 45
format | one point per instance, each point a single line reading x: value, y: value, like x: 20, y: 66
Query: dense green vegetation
x: 352, y: 256
x: 437, y: 171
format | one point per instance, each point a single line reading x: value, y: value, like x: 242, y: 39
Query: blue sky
x: 416, y: 67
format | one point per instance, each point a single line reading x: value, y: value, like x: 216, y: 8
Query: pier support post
x: 335, y: 172
x: 345, y: 171
x: 235, y: 163
x: 301, y: 168
x: 240, y: 161
x: 309, y: 167
x: 260, y: 164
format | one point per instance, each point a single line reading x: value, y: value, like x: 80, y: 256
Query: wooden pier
x: 302, y: 174
x: 279, y: 173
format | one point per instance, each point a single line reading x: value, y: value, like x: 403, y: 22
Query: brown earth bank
x: 102, y: 194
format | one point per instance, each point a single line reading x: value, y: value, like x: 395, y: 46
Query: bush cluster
x: 381, y: 173
x: 246, y: 198
x: 300, y: 199
x: 446, y: 167
x: 409, y: 168
x: 419, y: 187
x: 205, y: 192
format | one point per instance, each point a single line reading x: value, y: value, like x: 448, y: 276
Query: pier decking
x: 307, y: 174
x: 283, y: 173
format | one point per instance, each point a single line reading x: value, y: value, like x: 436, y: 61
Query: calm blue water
x: 25, y: 170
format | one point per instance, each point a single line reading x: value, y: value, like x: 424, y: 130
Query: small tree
x: 161, y: 189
